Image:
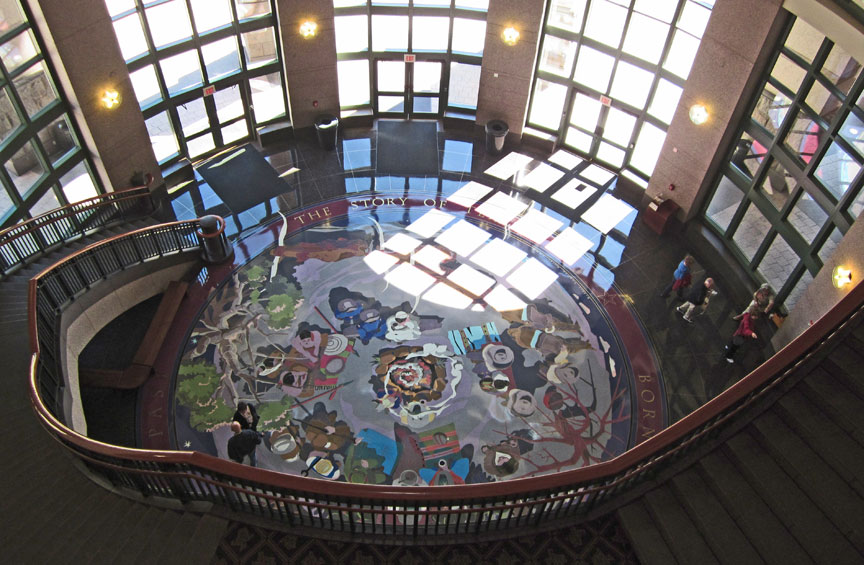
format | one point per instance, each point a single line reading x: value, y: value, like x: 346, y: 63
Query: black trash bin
x: 326, y: 127
x: 496, y: 133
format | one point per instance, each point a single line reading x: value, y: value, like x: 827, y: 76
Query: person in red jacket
x: 744, y: 331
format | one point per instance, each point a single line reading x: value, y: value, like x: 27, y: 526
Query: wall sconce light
x: 110, y: 98
x: 841, y: 277
x: 308, y: 29
x: 510, y: 35
x: 698, y: 114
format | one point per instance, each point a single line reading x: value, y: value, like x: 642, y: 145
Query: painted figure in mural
x: 401, y: 327
x: 307, y: 343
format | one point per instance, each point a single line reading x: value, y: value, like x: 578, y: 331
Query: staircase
x: 786, y: 488
x: 52, y: 512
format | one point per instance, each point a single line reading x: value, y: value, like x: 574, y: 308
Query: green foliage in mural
x: 280, y: 307
x: 275, y: 415
x: 196, y: 386
x: 364, y: 465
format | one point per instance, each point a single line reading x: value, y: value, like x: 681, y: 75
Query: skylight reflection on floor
x: 379, y: 261
x: 498, y: 257
x: 501, y: 208
x: 509, y: 165
x: 431, y: 257
x: 536, y: 226
x: 410, y: 279
x: 471, y: 280
x: 463, y: 238
x: 566, y: 159
x: 541, y: 178
x: 445, y: 295
x: 532, y: 278
x: 503, y: 300
x: 573, y: 193
x: 430, y: 223
x: 401, y: 243
x: 469, y: 194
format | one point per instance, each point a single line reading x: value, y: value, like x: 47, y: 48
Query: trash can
x: 326, y: 127
x: 496, y: 133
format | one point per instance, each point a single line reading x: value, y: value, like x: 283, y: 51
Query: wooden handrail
x: 637, y: 458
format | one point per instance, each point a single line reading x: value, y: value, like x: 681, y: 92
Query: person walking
x: 744, y: 331
x: 243, y: 444
x: 697, y: 297
x: 246, y: 416
x: 681, y: 278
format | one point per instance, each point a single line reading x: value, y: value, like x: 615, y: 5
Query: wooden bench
x: 141, y: 367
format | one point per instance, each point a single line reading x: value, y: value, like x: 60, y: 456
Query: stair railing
x: 459, y: 511
x: 21, y: 243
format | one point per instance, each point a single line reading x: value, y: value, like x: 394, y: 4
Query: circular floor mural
x: 409, y: 345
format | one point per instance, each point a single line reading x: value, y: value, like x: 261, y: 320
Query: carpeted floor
x: 407, y: 148
x: 599, y: 541
x: 242, y: 178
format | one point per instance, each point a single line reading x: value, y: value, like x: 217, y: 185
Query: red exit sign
x: 209, y: 90
x: 409, y: 58
x: 605, y: 100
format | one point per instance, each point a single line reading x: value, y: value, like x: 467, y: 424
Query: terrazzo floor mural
x: 407, y: 344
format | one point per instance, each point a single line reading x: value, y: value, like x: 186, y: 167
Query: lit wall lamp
x: 308, y: 29
x: 698, y: 114
x: 110, y: 98
x: 841, y: 277
x: 510, y: 35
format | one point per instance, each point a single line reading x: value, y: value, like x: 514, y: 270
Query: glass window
x: 557, y: 56
x: 11, y: 120
x: 594, y: 69
x: 35, y: 88
x: 645, y: 38
x: 193, y: 117
x: 473, y: 4
x: 807, y: 217
x: 694, y: 18
x: 469, y: 36
x: 748, y: 155
x: 610, y: 154
x: 724, y: 203
x: 181, y: 72
x: 391, y: 75
x: 168, y: 22
x: 131, y: 36
x: 586, y: 112
x: 798, y: 290
x: 48, y: 202
x: 788, y: 73
x: 665, y: 101
x: 464, y: 85
x: 162, y: 136
x: 830, y: 245
x: 248, y: 10
x: 605, y: 22
x: 259, y: 47
x: 681, y: 54
x: 427, y: 77
x: 836, y: 170
x: 352, y: 33
x: 822, y: 102
x: 852, y: 131
x: 778, y: 184
x: 146, y: 87
x: 778, y: 263
x: 771, y: 109
x: 57, y: 139
x: 841, y: 69
x: 647, y: 148
x: 235, y: 132
x: 546, y: 107
x: 18, y: 50
x: 268, y: 97
x: 221, y: 58
x: 229, y: 105
x: 200, y: 145
x: 353, y: 82
x: 567, y: 14
x: 25, y: 168
x: 78, y: 184
x: 804, y: 40
x: 211, y: 14
x: 619, y: 127
x: 751, y: 231
x: 430, y: 34
x: 580, y: 140
x: 116, y: 7
x: 804, y: 137
x: 663, y: 10
x: 631, y: 84
x: 389, y: 33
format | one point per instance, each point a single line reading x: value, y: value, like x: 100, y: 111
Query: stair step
x: 104, y: 543
x: 831, y: 494
x: 101, y: 510
x: 144, y: 529
x: 832, y: 443
x: 790, y: 504
x: 835, y: 400
x: 173, y: 545
x: 764, y: 530
x: 720, y: 531
x: 161, y: 531
x: 201, y: 546
x: 646, y: 538
x: 840, y: 364
x: 680, y: 533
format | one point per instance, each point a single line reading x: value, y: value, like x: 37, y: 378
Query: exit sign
x: 409, y: 58
x: 605, y: 100
x: 209, y: 90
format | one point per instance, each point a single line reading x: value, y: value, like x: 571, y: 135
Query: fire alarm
x: 671, y: 187
x: 314, y: 103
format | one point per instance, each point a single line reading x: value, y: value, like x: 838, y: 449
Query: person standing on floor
x: 744, y: 331
x: 697, y: 297
x: 246, y: 416
x: 763, y: 299
x: 243, y: 444
x: 681, y: 278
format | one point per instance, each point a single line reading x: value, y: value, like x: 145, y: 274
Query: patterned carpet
x: 598, y: 542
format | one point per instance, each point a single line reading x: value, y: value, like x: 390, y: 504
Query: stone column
x: 737, y: 39
x: 310, y: 63
x: 505, y: 79
x: 83, y: 47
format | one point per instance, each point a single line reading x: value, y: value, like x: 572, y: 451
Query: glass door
x: 408, y: 89
x: 602, y: 131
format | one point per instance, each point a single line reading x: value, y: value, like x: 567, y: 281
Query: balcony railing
x: 22, y: 242
x: 448, y: 512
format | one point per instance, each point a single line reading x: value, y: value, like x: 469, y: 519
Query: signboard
x: 409, y: 58
x: 605, y: 100
x: 209, y: 90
